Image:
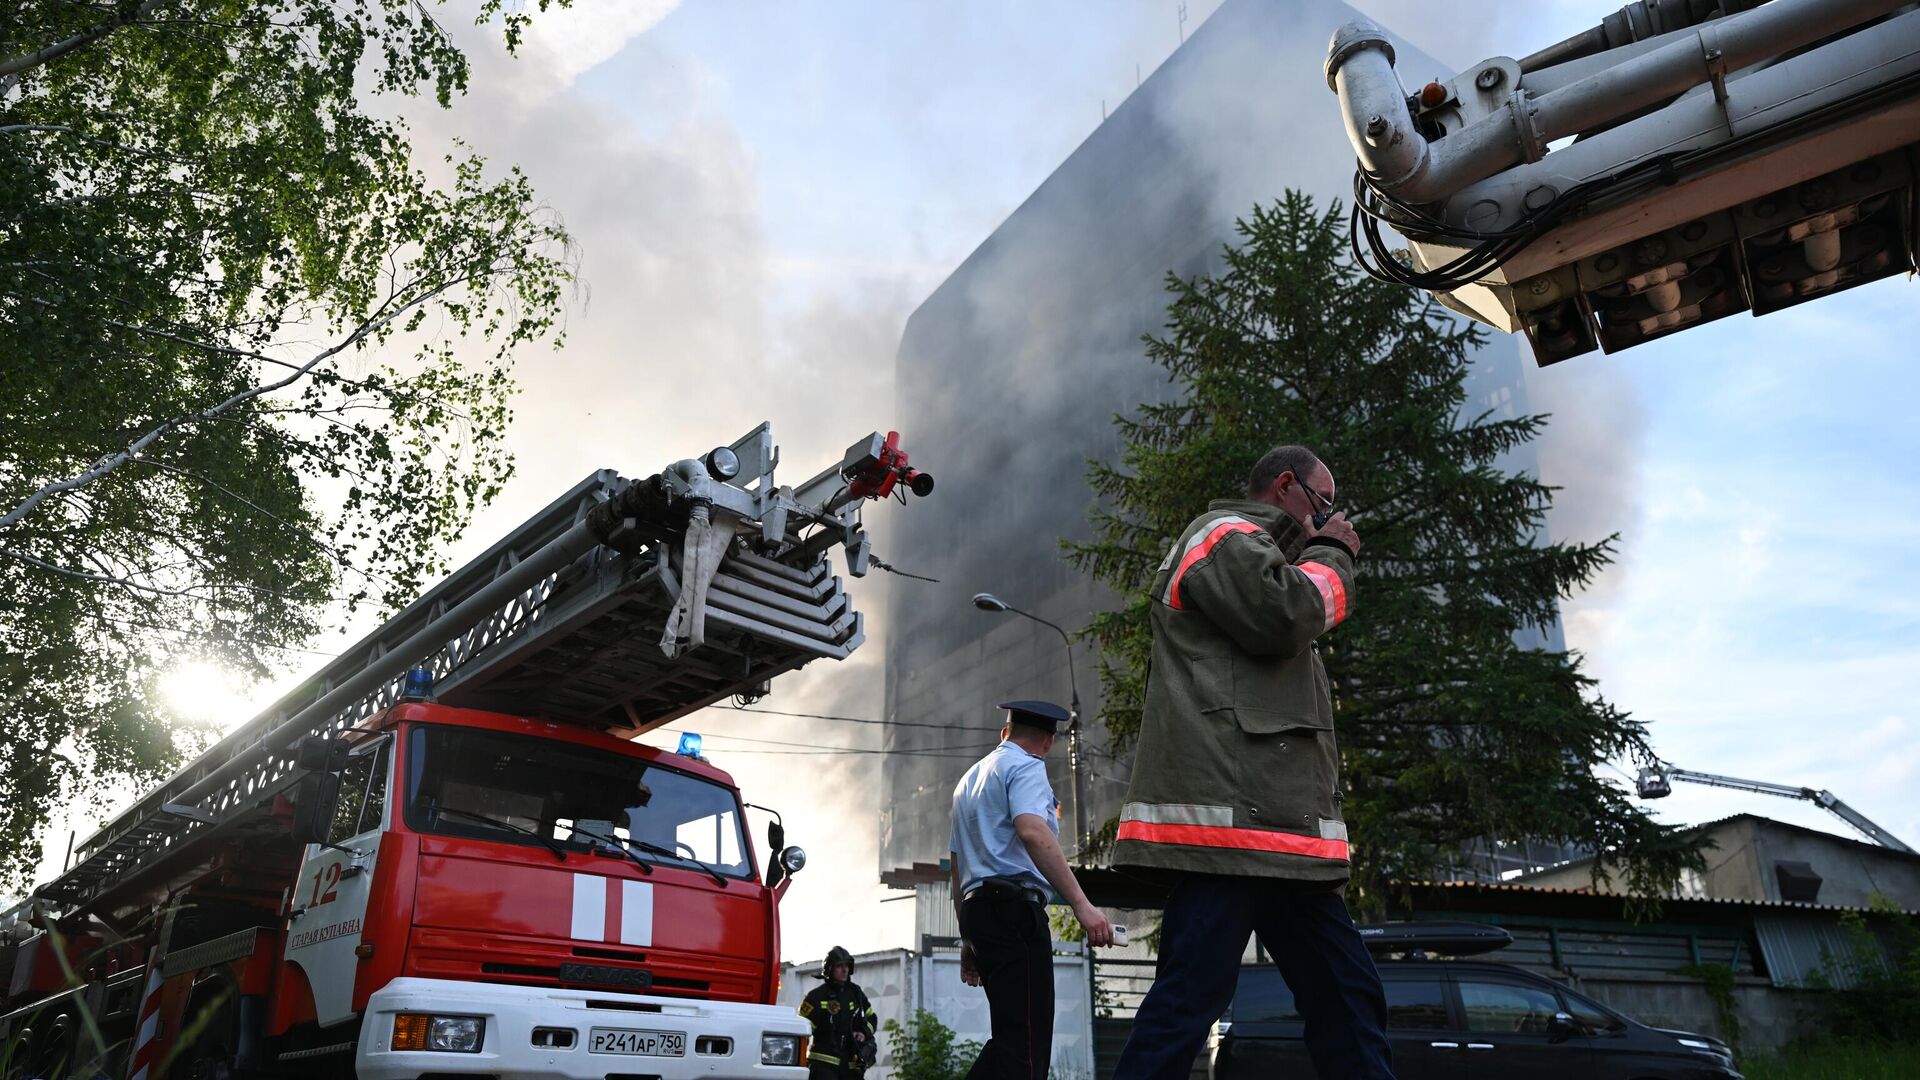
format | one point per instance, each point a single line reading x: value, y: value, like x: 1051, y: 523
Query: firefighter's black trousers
x: 1313, y: 943
x: 1014, y: 949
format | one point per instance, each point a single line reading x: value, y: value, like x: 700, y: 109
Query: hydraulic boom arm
x: 1657, y: 783
x: 1682, y: 161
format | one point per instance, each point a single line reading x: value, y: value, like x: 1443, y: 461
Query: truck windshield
x: 517, y: 789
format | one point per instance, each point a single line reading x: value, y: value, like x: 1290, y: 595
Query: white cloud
x: 569, y: 42
x: 1755, y: 647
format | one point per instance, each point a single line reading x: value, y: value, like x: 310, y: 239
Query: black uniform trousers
x: 1312, y: 941
x: 1013, y: 947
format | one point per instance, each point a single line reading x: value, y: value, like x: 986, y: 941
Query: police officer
x: 1235, y: 797
x: 843, y: 1022
x: 1005, y: 852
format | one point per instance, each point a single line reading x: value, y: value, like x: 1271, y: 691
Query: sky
x: 762, y: 192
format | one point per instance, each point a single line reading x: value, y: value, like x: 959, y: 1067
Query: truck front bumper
x: 720, y: 1040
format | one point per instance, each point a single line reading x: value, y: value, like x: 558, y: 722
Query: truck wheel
x: 18, y: 1052
x: 43, y: 1049
x: 211, y: 1022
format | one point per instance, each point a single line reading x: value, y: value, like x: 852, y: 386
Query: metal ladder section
x: 593, y: 656
x: 551, y: 622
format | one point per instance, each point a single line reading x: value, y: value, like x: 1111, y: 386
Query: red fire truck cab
x: 480, y: 895
x: 497, y: 895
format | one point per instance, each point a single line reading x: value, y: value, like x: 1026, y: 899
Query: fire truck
x: 444, y: 854
x: 1680, y: 162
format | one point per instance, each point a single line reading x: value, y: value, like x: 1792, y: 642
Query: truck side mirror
x: 776, y: 846
x: 317, y: 753
x: 318, y: 793
x: 313, y: 804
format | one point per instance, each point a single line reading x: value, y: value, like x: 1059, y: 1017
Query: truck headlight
x: 447, y: 1034
x: 783, y: 1049
x: 461, y: 1034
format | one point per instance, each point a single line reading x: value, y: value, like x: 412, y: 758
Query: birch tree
x: 254, y: 362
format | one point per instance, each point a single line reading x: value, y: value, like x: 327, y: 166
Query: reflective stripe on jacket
x: 1237, y: 770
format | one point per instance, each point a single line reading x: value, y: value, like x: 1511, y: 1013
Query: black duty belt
x: 1000, y: 888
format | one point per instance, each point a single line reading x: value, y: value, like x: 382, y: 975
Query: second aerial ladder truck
x: 443, y: 854
x: 1656, y: 782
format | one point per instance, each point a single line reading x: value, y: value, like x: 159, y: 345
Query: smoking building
x: 1010, y: 374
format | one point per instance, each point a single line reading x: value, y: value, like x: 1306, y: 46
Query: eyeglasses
x: 1323, y: 507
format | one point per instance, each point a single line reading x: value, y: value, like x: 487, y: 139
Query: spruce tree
x: 1450, y: 731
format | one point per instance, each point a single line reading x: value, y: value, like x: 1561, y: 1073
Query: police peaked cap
x: 1044, y: 715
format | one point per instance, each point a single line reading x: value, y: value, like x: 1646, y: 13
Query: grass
x: 1837, y: 1061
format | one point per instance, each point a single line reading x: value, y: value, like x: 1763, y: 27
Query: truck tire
x: 211, y: 1023
x: 46, y: 1046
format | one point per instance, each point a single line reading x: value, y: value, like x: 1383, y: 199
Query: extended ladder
x: 623, y: 605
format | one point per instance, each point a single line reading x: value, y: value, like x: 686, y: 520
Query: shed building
x: 1758, y: 858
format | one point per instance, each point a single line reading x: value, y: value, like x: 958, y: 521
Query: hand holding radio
x: 1338, y: 528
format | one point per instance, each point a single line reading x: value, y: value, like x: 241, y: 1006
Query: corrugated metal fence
x: 1793, y: 949
x: 1803, y: 952
x: 1596, y: 950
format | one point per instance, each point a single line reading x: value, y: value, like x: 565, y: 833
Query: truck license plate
x: 628, y: 1041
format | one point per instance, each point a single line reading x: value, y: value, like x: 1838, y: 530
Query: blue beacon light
x: 419, y: 685
x: 690, y: 744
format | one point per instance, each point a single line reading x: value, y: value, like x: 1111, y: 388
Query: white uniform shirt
x: 1006, y: 783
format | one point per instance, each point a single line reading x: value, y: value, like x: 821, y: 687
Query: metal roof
x: 1109, y: 887
x: 1620, y: 898
x: 1822, y: 834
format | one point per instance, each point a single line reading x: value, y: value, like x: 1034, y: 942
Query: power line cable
x: 864, y: 720
x: 139, y: 624
x: 969, y: 756
x: 965, y: 752
x: 815, y: 746
x: 1618, y: 769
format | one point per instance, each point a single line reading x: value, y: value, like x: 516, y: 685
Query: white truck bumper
x: 720, y: 1039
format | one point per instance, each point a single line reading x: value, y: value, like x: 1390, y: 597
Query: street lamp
x: 990, y: 602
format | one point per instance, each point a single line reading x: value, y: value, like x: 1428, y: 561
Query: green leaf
x: 194, y: 208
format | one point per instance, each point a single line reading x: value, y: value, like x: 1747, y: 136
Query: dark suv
x: 1465, y: 1020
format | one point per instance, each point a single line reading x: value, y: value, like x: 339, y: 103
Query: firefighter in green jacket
x: 843, y: 1022
x: 1235, y: 798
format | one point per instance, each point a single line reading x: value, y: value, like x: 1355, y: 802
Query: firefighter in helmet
x: 843, y: 1022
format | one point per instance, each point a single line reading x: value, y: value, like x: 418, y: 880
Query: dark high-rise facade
x: 1010, y: 374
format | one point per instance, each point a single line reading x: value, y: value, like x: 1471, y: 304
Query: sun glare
x: 206, y: 693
